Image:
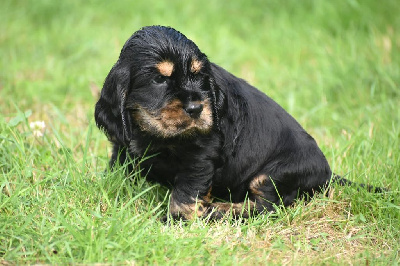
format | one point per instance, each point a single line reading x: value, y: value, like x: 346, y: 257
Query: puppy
x: 213, y: 135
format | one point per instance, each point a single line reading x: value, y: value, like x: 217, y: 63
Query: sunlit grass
x: 334, y: 65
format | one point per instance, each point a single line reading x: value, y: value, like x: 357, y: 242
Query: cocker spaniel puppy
x: 213, y: 136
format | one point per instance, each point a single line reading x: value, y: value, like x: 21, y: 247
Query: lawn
x: 334, y: 65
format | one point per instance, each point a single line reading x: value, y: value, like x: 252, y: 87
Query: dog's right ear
x: 110, y: 113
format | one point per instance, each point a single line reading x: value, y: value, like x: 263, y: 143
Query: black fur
x: 245, y: 145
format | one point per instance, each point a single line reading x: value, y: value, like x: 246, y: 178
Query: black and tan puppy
x: 214, y: 135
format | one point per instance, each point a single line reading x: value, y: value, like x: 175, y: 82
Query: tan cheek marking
x: 173, y: 111
x: 195, y: 66
x: 205, y: 122
x: 172, y: 120
x: 165, y: 68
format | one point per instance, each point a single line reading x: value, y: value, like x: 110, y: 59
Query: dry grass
x: 333, y: 65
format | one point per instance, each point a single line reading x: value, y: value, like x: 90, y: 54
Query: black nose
x: 194, y: 109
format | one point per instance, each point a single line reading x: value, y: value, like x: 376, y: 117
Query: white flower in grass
x: 37, y: 128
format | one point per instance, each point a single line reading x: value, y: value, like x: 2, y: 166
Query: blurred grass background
x: 334, y: 65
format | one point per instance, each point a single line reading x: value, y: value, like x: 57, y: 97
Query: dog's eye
x: 160, y: 79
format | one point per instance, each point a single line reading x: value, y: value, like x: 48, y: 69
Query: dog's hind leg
x: 264, y: 193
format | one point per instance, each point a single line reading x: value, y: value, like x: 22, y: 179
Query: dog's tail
x: 336, y: 179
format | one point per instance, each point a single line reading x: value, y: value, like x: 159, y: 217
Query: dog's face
x: 169, y: 93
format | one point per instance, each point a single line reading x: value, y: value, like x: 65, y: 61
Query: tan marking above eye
x: 195, y: 66
x: 165, y: 68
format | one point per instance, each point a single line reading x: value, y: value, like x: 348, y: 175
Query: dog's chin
x: 172, y: 121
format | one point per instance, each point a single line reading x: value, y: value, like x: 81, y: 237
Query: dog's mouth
x: 175, y: 120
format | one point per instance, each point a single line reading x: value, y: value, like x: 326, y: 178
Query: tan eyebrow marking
x: 195, y: 66
x: 165, y: 68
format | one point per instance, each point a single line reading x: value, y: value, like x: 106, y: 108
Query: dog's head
x: 161, y: 84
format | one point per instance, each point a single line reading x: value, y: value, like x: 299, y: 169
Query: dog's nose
x: 194, y: 109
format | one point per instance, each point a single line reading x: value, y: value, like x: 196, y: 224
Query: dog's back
x: 262, y: 139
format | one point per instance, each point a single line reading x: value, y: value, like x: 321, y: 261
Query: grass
x: 334, y: 65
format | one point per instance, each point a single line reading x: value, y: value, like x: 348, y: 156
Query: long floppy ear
x: 110, y: 113
x: 218, y: 99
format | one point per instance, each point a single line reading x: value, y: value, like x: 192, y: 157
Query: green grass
x: 334, y: 65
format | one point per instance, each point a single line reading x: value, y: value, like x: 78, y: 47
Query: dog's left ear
x: 218, y: 99
x: 110, y: 113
